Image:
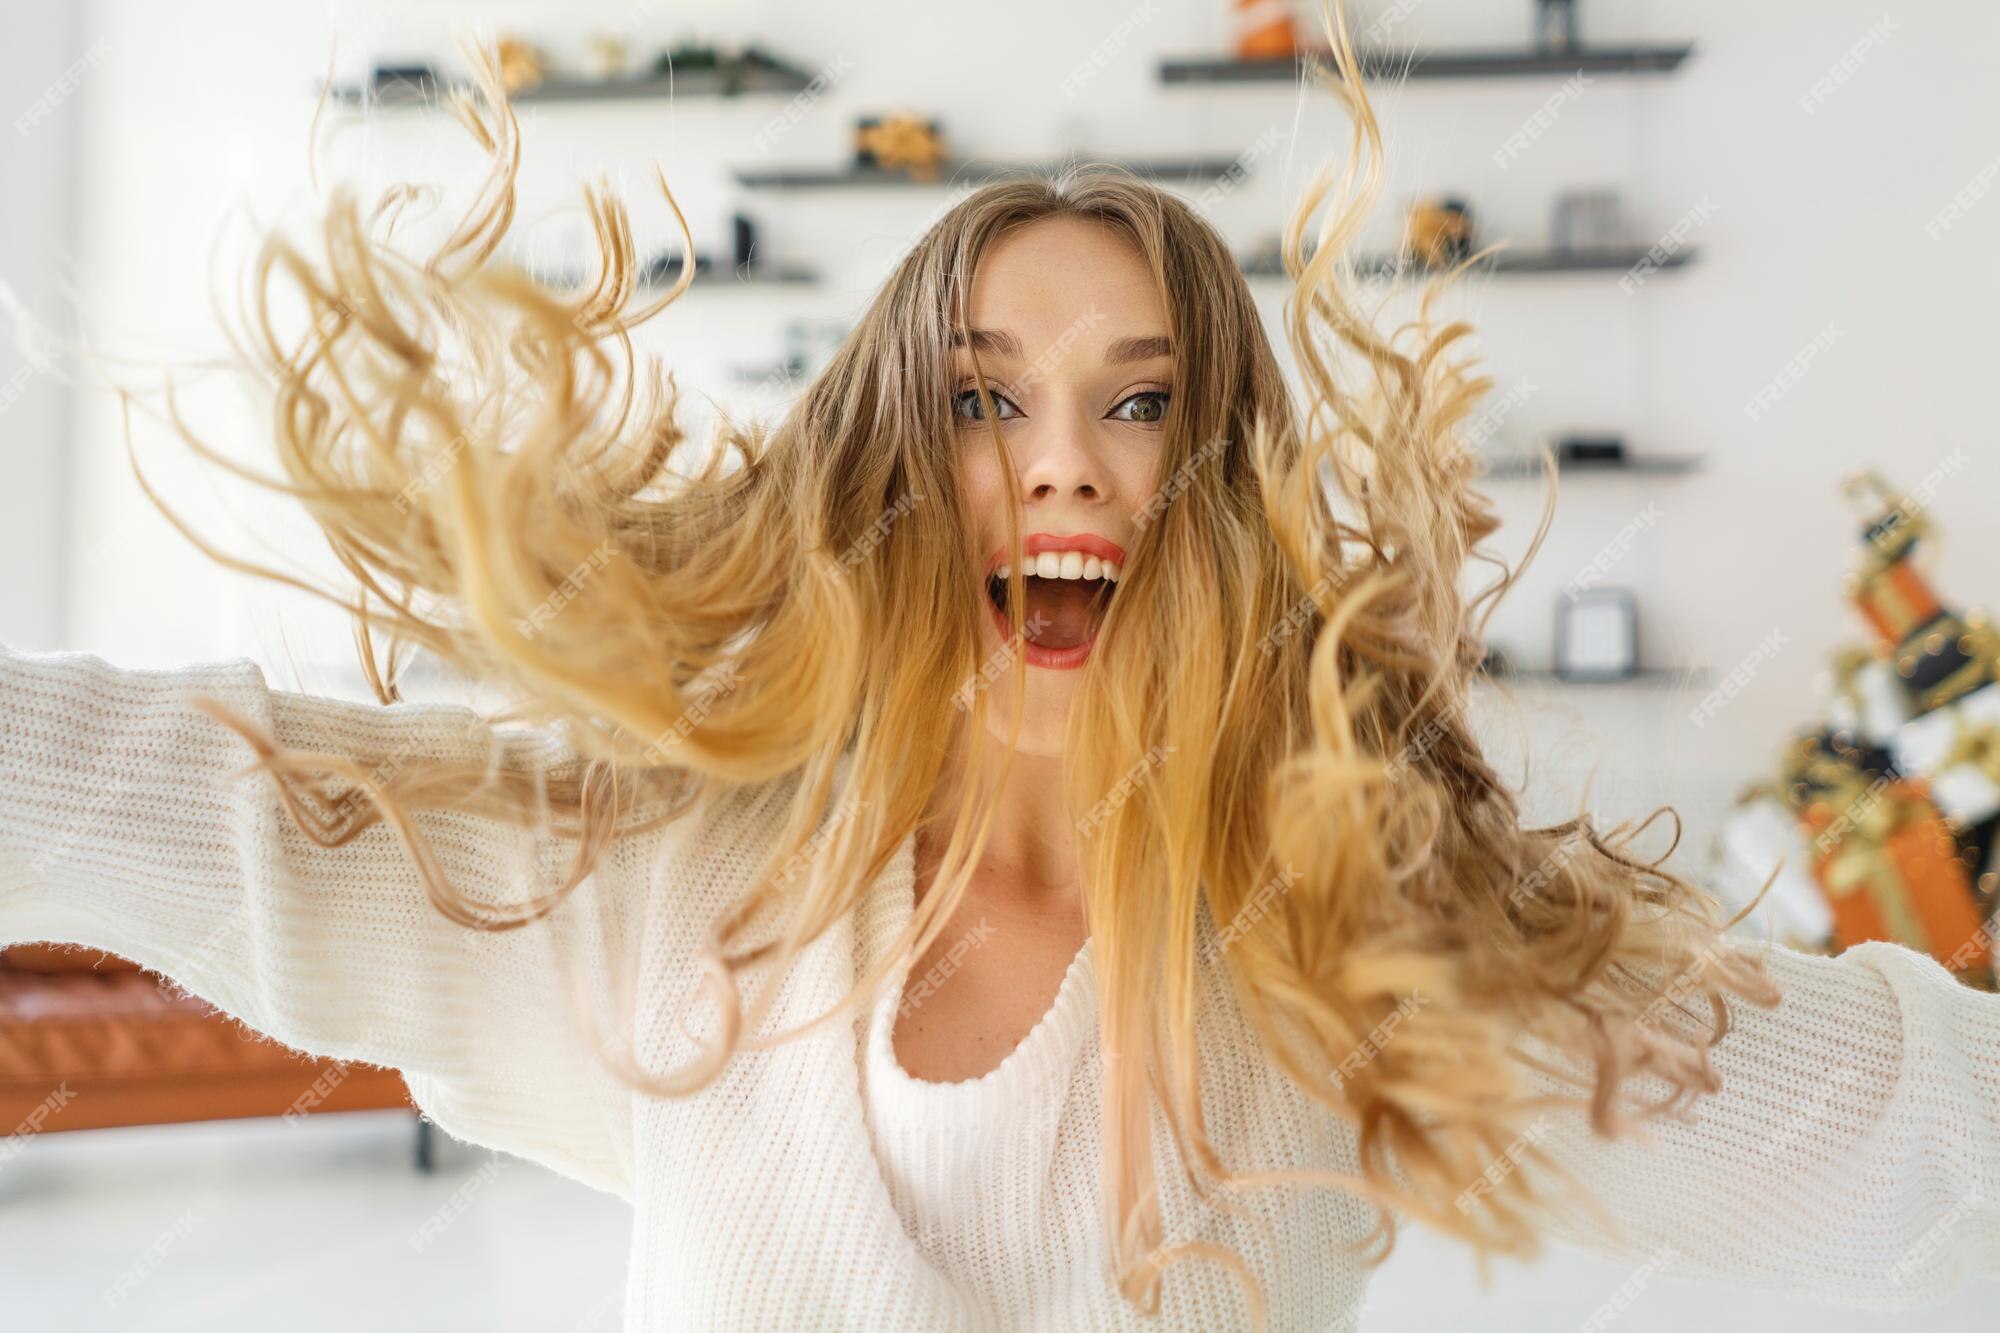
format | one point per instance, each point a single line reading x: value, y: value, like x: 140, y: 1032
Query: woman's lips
x: 1036, y: 543
x: 1088, y: 543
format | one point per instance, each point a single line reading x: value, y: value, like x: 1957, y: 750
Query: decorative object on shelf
x: 1898, y: 792
x: 1941, y: 656
x: 687, y: 58
x: 1437, y: 233
x: 1587, y: 220
x: 1884, y: 856
x: 899, y: 143
x: 752, y: 56
x: 1264, y: 30
x: 521, y: 65
x: 1555, y: 25
x: 610, y: 55
x: 743, y: 234
x: 1590, y: 451
x: 733, y: 70
x: 1597, y: 635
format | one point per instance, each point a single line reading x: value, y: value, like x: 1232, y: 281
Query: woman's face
x: 1074, y: 345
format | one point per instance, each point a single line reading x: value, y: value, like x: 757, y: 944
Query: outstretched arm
x: 127, y: 823
x: 1853, y: 1152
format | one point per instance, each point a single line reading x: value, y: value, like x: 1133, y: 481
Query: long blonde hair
x: 1290, y: 652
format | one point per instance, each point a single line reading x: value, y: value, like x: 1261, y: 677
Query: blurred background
x: 1747, y: 255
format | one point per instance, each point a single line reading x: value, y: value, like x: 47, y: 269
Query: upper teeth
x: 1063, y: 565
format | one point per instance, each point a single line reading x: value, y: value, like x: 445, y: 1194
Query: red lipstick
x: 1033, y: 544
x: 1087, y: 543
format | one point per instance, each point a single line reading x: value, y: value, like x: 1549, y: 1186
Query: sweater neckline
x: 1048, y: 1050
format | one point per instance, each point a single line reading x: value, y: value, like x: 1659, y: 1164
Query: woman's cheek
x: 979, y: 480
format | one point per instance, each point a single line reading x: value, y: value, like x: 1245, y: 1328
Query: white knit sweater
x: 1854, y: 1152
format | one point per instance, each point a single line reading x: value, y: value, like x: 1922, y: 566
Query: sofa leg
x: 426, y: 1145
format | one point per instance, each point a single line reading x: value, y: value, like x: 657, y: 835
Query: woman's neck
x: 1031, y: 847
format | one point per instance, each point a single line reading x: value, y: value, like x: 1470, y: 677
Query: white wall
x: 38, y: 186
x: 1818, y: 219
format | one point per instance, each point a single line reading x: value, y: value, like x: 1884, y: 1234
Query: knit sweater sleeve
x: 130, y: 821
x: 1852, y: 1153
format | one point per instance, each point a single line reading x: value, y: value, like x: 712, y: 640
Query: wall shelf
x: 960, y: 172
x: 656, y: 274
x: 760, y: 273
x: 1464, y: 64
x: 1654, y: 465
x: 1510, y: 263
x: 761, y: 76
x: 1646, y: 678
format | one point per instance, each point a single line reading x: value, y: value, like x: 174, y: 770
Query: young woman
x: 1002, y: 848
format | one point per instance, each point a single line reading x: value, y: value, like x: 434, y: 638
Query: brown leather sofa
x: 89, y: 1040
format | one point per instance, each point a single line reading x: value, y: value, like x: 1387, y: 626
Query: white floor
x: 305, y: 1228
x: 263, y: 1225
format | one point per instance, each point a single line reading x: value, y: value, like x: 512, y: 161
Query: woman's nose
x: 1064, y: 465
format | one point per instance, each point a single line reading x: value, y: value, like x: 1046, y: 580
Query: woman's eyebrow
x: 1139, y: 349
x: 992, y: 342
x: 999, y: 342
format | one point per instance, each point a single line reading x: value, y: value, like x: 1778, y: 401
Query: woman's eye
x: 1153, y: 407
x: 965, y: 403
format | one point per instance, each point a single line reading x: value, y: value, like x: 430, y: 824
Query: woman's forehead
x: 1060, y: 273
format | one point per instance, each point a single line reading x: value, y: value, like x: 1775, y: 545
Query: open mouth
x: 1067, y: 583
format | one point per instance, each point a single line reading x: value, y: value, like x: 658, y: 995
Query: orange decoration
x: 1891, y: 871
x: 1264, y: 30
x: 903, y: 143
x: 520, y: 65
x: 1897, y: 601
